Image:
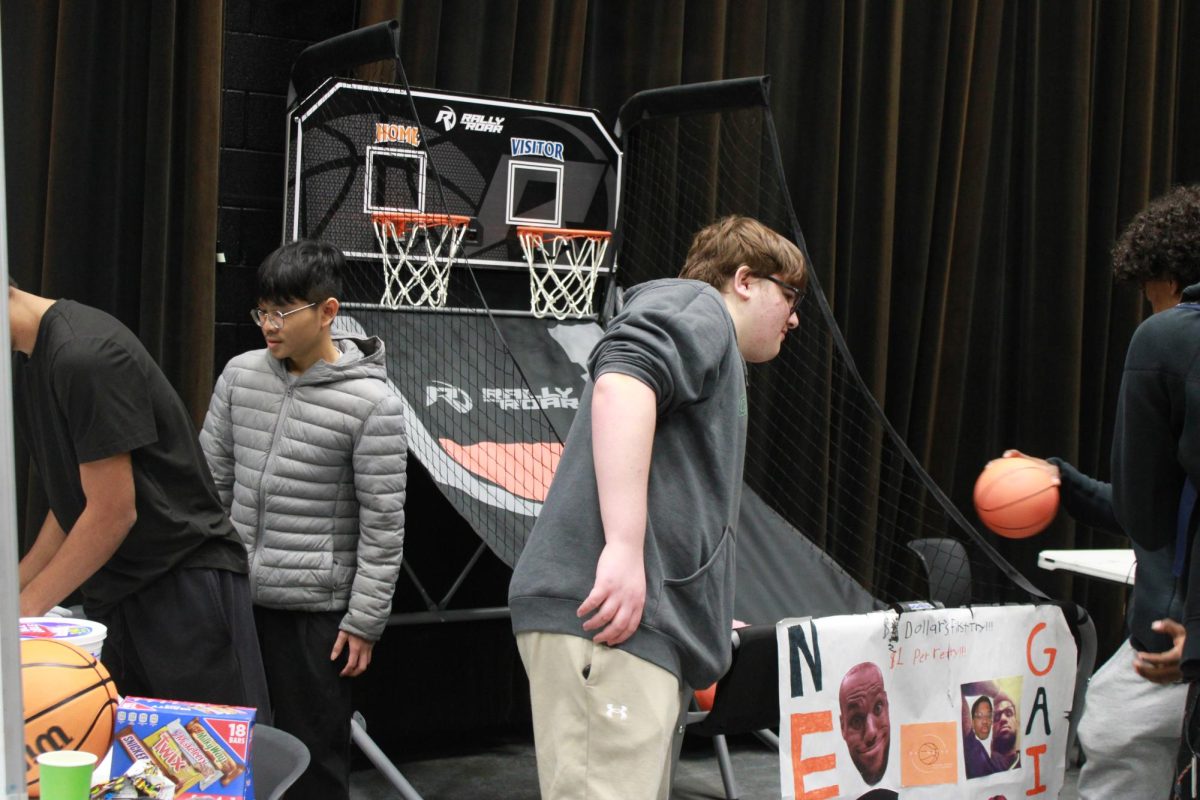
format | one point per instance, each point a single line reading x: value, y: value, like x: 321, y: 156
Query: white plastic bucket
x: 84, y: 634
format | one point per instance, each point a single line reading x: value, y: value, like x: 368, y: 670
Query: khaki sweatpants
x: 603, y: 720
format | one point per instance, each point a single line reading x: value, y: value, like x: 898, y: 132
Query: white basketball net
x: 417, y: 256
x: 562, y: 270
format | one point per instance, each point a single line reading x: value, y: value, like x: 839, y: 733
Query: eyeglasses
x: 273, y: 318
x: 981, y: 716
x: 797, y: 294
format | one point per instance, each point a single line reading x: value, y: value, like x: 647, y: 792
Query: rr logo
x: 616, y: 712
x: 447, y: 118
x: 459, y: 400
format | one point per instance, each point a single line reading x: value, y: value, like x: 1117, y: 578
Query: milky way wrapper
x: 224, y: 761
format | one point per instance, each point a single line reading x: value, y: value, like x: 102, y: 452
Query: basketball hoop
x: 562, y: 269
x: 418, y: 251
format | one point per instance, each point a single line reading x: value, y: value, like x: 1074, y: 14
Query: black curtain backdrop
x: 960, y: 171
x: 111, y: 132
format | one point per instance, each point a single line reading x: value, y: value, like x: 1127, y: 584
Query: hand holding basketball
x: 1017, y: 496
x: 1050, y: 469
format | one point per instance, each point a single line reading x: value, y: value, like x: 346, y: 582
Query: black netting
x: 487, y: 432
x: 821, y: 455
x: 820, y: 452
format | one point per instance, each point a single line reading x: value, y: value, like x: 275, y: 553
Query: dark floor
x: 505, y: 770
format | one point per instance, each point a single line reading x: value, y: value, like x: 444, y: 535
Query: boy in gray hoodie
x: 622, y: 600
x: 305, y: 440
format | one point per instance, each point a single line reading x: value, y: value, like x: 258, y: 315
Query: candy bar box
x: 202, y: 749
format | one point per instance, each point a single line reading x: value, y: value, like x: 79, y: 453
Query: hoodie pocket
x: 696, y: 611
x: 707, y: 569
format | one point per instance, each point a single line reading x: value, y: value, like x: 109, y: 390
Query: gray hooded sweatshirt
x: 677, y: 337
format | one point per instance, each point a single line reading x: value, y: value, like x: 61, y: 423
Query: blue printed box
x: 203, y: 749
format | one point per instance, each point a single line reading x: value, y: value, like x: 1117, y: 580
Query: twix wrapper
x: 175, y: 765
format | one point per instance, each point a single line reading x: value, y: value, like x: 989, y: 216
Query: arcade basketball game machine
x: 476, y: 232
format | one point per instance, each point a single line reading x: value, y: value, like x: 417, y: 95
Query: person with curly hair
x: 1156, y: 445
x: 1158, y: 248
x: 1133, y: 713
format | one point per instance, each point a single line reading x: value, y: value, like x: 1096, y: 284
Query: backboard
x: 357, y: 150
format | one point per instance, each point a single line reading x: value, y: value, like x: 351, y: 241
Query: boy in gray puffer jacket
x: 305, y: 440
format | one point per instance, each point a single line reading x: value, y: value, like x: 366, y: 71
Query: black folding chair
x: 746, y: 701
x: 278, y: 759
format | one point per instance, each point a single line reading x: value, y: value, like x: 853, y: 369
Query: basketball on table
x: 1016, y: 497
x: 70, y: 702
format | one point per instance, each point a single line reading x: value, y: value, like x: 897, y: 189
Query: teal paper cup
x: 66, y: 774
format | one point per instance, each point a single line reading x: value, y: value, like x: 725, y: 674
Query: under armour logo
x: 616, y: 712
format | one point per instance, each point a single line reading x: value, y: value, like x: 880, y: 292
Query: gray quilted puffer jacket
x: 311, y: 470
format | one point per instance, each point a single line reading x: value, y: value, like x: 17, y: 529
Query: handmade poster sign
x: 962, y: 704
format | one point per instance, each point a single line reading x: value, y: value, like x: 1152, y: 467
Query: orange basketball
x: 705, y: 697
x: 70, y: 702
x: 1016, y: 497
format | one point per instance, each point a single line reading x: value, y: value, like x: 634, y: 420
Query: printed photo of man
x: 976, y: 758
x: 988, y: 707
x: 865, y: 721
x: 1006, y: 753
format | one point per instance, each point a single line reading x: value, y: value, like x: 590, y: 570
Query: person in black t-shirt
x: 134, y: 522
